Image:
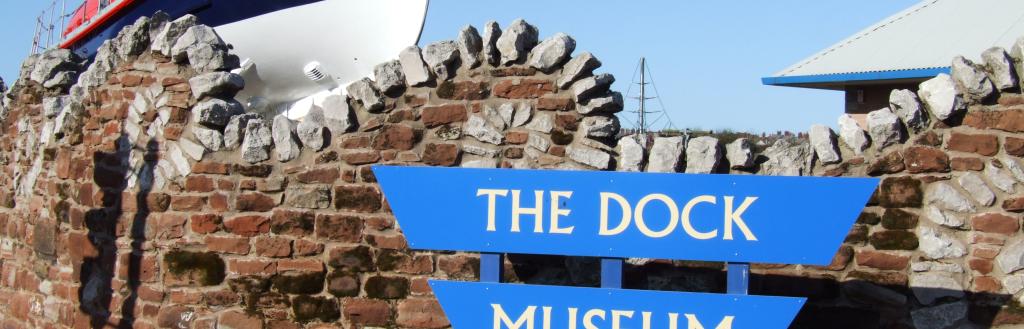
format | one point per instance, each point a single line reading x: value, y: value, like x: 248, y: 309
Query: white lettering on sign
x: 632, y: 214
x: 595, y: 319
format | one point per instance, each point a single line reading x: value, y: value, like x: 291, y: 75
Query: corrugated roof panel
x: 927, y: 35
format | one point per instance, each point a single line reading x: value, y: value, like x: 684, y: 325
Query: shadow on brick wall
x: 98, y: 273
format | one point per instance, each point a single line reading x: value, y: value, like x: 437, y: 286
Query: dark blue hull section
x: 210, y: 12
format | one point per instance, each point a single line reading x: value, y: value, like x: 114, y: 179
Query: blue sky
x: 706, y: 57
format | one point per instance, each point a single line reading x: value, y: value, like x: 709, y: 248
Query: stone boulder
x: 214, y: 84
x: 907, y: 106
x: 939, y: 94
x: 852, y: 135
x: 364, y: 92
x: 552, y: 52
x: 215, y: 112
x: 703, y: 154
x: 666, y: 154
x: 442, y: 58
x: 389, y: 78
x: 823, y: 141
x: 1001, y: 70
x: 631, y: 153
x: 285, y: 140
x: 470, y: 46
x: 491, y: 54
x: 311, y: 131
x: 578, y: 67
x: 740, y: 154
x: 413, y: 67
x: 516, y: 41
x: 885, y: 128
x: 257, y: 142
x: 787, y: 157
x: 234, y: 132
x: 973, y: 81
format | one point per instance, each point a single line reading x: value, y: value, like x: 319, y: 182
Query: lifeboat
x: 293, y: 52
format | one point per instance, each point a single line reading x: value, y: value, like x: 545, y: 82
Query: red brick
x: 319, y: 176
x: 197, y: 183
x: 256, y: 202
x: 231, y: 245
x: 987, y: 145
x: 1014, y: 146
x: 209, y: 167
x: 168, y: 226
x: 516, y: 137
x: 252, y: 267
x: 355, y: 142
x: 920, y: 159
x: 187, y: 203
x: 367, y: 312
x: 463, y: 90
x: 273, y: 246
x: 967, y: 164
x: 360, y: 157
x: 248, y: 226
x: 459, y: 267
x: 987, y: 284
x: 239, y: 320
x: 1006, y: 120
x: 308, y: 248
x: 555, y: 104
x: 986, y: 253
x: 421, y: 313
x: 995, y: 223
x: 203, y: 224
x: 342, y: 228
x: 441, y: 115
x: 882, y: 260
x: 441, y: 154
x: 1014, y: 204
x: 301, y: 265
x: 983, y: 266
x: 523, y: 88
x: 395, y: 136
x: 219, y: 202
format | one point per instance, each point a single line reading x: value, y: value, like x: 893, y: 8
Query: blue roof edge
x: 851, y: 77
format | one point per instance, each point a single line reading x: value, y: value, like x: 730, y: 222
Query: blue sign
x: 494, y: 305
x: 730, y: 218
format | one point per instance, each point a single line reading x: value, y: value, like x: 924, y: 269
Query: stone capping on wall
x: 243, y: 220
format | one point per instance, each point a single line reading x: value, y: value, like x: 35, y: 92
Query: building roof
x: 918, y: 42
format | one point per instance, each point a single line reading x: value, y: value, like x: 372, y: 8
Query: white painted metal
x: 927, y: 35
x: 347, y: 37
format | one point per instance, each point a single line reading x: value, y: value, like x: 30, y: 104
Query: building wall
x: 111, y: 215
x: 860, y: 100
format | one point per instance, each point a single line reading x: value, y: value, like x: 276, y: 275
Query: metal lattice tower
x: 644, y: 124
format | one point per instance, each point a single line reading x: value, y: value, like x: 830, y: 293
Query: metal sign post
x: 738, y: 219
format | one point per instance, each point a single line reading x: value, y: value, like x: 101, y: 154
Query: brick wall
x: 140, y: 195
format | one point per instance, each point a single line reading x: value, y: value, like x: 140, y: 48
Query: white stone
x: 631, y: 153
x: 388, y: 77
x: 470, y: 45
x: 192, y: 149
x: 257, y: 142
x: 945, y: 196
x: 929, y: 287
x: 740, y: 153
x: 787, y: 157
x: 610, y: 104
x: 522, y: 115
x: 285, y: 141
x: 939, y: 94
x: 884, y: 127
x: 1013, y: 283
x: 1011, y: 258
x: 1013, y: 166
x: 928, y: 266
x: 703, y: 155
x: 907, y: 106
x: 216, y: 84
x: 538, y: 142
x: 542, y: 122
x: 497, y: 119
x: 946, y: 316
x: 479, y: 150
x: 976, y: 85
x: 211, y: 139
x: 192, y: 38
x: 337, y: 115
x: 977, y: 189
x: 586, y: 88
x: 507, y: 113
x: 942, y: 217
x: 235, y: 130
x: 600, y: 126
x: 1000, y: 68
x: 363, y: 91
x: 215, y: 113
x: 53, y: 105
x: 582, y: 65
x: 441, y: 58
x: 478, y: 127
x: 823, y: 141
x: 413, y: 67
x: 852, y: 134
x: 311, y: 130
x: 552, y: 52
x: 999, y: 178
x: 480, y: 163
x: 490, y: 50
x: 666, y: 154
x: 938, y: 245
x: 177, y: 159
x: 516, y: 41
x: 164, y: 38
x: 588, y: 156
